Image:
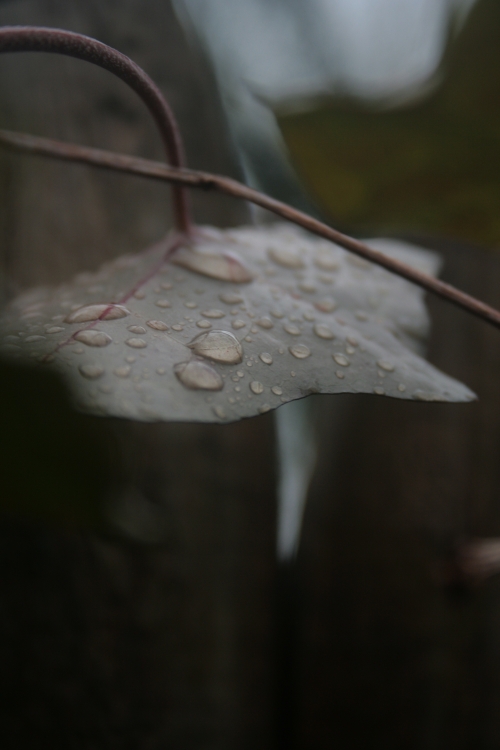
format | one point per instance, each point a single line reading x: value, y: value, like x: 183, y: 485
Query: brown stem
x: 191, y: 178
x: 36, y: 39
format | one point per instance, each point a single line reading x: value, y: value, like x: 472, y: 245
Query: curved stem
x: 206, y: 181
x: 36, y: 39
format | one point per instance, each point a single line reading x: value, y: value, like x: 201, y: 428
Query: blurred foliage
x: 430, y: 167
x: 55, y: 462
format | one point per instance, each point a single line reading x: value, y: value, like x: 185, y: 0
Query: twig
x: 35, y: 39
x: 205, y: 180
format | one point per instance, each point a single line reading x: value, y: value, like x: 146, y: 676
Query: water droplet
x: 249, y: 363
x: 140, y: 294
x: 177, y: 327
x: 221, y: 346
x: 203, y: 323
x: 300, y: 351
x: 136, y: 343
x: 162, y: 303
x: 265, y: 322
x: 32, y: 339
x: 161, y: 370
x: 93, y: 338
x: 226, y: 266
x: 309, y: 316
x: 266, y: 358
x: 237, y: 388
x: 230, y: 298
x: 166, y: 285
x: 55, y: 329
x: 326, y: 261
x: 379, y: 391
x: 423, y: 396
x: 324, y: 332
x: 158, y: 325
x: 277, y: 390
x: 256, y: 387
x: 384, y: 365
x: 87, y: 313
x: 190, y: 305
x: 340, y: 374
x: 401, y: 388
x: 130, y: 359
x: 360, y: 315
x: 238, y: 323
x: 123, y: 371
x: 307, y: 286
x: 91, y: 371
x: 136, y: 329
x: 350, y: 350
x: 326, y: 305
x: 293, y: 373
x: 352, y: 341
x: 276, y: 313
x: 213, y: 313
x: 198, y: 376
x: 264, y: 408
x: 219, y: 412
x: 291, y: 329
x: 286, y: 258
x: 78, y: 350
x: 341, y: 360
x: 358, y: 262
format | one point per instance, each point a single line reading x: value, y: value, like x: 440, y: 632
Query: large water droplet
x: 286, y: 258
x: 158, y: 325
x: 225, y: 266
x: 221, y: 346
x: 136, y: 343
x: 213, y: 313
x: 238, y: 323
x: 384, y: 365
x: 230, y: 298
x: 326, y: 305
x: 88, y: 313
x: 300, y: 351
x: 265, y: 322
x: 341, y: 360
x: 266, y: 358
x: 198, y: 376
x: 164, y: 303
x: 324, y: 332
x: 291, y: 329
x: 91, y: 371
x: 136, y: 329
x: 256, y: 387
x: 93, y: 338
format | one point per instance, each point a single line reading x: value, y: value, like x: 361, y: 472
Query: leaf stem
x: 206, y: 181
x: 36, y: 39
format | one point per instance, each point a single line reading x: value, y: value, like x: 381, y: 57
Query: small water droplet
x: 384, y: 365
x: 219, y: 412
x: 139, y: 294
x: 221, y: 346
x: 291, y: 329
x: 32, y: 339
x: 276, y: 313
x: 91, y: 371
x: 360, y: 315
x: 158, y: 325
x: 78, y: 350
x: 203, y: 323
x: 136, y: 343
x: 293, y: 373
x: 352, y: 341
x: 326, y: 305
x: 55, y: 329
x: 238, y: 323
x: 161, y: 370
x: 423, y: 396
x: 177, y: 327
x: 162, y: 303
x: 166, y: 285
x: 249, y: 363
x: 87, y: 313
x: 266, y: 358
x: 300, y: 351
x: 226, y: 266
x: 106, y: 389
x: 265, y: 322
x: 190, y: 305
x: 379, y: 391
x: 326, y: 261
x: 130, y: 359
x: 401, y: 388
x: 264, y: 408
x: 286, y: 258
x: 324, y: 332
x: 256, y: 387
x: 309, y: 316
x: 123, y: 371
x: 308, y: 287
x: 92, y: 337
x: 213, y: 314
x: 340, y: 374
x: 198, y: 376
x: 341, y: 360
x: 350, y: 350
x: 230, y: 298
x: 277, y: 390
x: 136, y: 329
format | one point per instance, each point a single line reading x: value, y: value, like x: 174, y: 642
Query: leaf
x: 145, y: 339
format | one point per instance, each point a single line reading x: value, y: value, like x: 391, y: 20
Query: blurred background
x: 142, y: 600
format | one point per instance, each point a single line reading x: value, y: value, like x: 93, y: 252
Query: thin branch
x: 204, y: 180
x: 36, y: 39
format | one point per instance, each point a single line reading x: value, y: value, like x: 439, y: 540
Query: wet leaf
x: 145, y: 339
